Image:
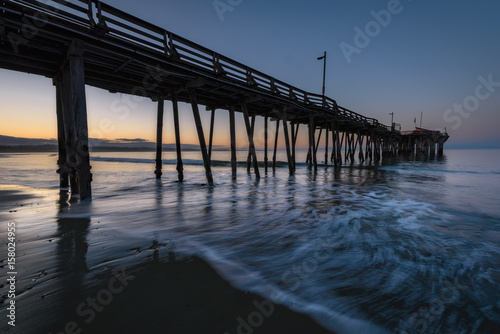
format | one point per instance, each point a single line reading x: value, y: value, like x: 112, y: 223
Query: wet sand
x: 11, y: 198
x: 185, y: 296
x: 159, y: 291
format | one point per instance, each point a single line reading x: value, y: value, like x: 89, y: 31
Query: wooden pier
x: 80, y: 42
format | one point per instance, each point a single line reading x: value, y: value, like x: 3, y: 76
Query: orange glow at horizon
x: 113, y: 116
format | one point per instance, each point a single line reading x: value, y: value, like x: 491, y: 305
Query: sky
x: 407, y: 57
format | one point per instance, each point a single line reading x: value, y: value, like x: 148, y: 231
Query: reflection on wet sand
x: 167, y: 292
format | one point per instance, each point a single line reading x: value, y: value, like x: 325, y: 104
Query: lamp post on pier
x: 324, y: 72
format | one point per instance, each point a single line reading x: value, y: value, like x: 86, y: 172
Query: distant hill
x: 16, y: 141
x: 16, y: 144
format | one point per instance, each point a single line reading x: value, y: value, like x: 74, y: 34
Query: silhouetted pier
x: 89, y: 42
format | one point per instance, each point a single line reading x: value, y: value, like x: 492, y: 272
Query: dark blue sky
x: 430, y: 56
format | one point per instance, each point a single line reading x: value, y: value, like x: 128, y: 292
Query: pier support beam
x: 440, y: 148
x: 232, y: 131
x: 250, y: 128
x: 340, y: 146
x: 276, y: 143
x: 333, y: 155
x: 79, y: 107
x: 432, y: 144
x: 201, y: 136
x: 210, y: 141
x: 312, y: 142
x: 287, y: 141
x: 353, y: 147
x: 368, y: 148
x: 294, y: 142
x: 180, y: 167
x: 361, y: 156
x: 376, y: 148
x: 69, y: 130
x: 266, y: 121
x: 347, y: 149
x: 159, y: 137
x: 249, y: 157
x: 61, y: 137
x: 338, y: 149
x: 315, y: 159
x: 373, y: 149
x: 326, y: 146
x: 72, y: 102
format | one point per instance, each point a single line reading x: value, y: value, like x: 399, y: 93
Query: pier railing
x: 127, y: 31
x: 424, y: 132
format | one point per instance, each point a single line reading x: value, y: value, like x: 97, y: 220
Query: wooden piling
x: 69, y: 131
x: 312, y: 134
x: 61, y: 137
x: 211, y: 139
x: 341, y: 146
x: 232, y: 132
x: 338, y: 149
x: 354, y: 144
x: 373, y: 148
x: 317, y: 143
x: 249, y: 157
x: 252, y: 153
x: 276, y: 143
x: 159, y: 137
x: 79, y: 109
x: 440, y: 148
x: 292, y: 132
x: 287, y: 142
x: 201, y: 136
x: 432, y: 144
x: 310, y: 149
x: 361, y: 156
x: 180, y: 167
x: 266, y: 120
x: 377, y: 144
x: 294, y: 142
x: 347, y: 150
x: 326, y: 146
x: 332, y: 157
x: 368, y: 147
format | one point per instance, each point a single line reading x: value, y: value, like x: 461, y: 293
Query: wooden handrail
x: 124, y: 27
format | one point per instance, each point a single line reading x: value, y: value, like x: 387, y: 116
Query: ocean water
x: 393, y: 247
